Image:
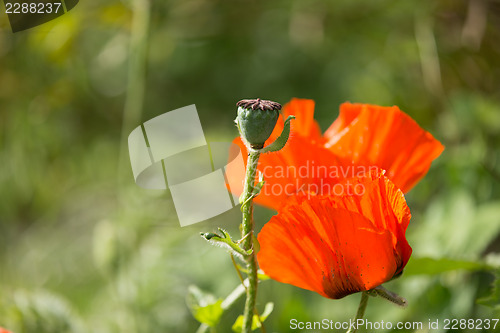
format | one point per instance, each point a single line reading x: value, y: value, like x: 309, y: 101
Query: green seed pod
x: 256, y: 120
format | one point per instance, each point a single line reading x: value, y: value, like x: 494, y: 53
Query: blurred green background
x: 83, y: 249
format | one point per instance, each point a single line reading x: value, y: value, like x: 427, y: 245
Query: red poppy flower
x: 337, y: 245
x: 3, y: 330
x: 386, y: 137
x: 363, y: 137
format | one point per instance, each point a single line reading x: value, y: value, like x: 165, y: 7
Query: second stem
x: 361, y: 310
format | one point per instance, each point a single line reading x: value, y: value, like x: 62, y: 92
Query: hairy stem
x: 247, y: 240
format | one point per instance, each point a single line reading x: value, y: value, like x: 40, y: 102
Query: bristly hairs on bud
x: 259, y: 104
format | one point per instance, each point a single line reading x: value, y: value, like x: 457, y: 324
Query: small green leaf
x: 238, y: 324
x: 262, y: 276
x: 257, y: 188
x: 268, y: 309
x: 204, y: 306
x: 255, y: 192
x: 256, y: 245
x: 210, y: 314
x: 430, y: 266
x: 281, y: 140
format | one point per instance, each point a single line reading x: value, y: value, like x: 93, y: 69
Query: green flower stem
x: 361, y: 309
x: 247, y: 239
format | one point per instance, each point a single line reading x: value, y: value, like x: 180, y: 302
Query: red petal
x: 234, y: 174
x: 326, y: 243
x: 385, y: 137
x: 381, y: 202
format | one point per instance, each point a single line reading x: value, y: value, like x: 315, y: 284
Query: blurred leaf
x: 197, y: 297
x: 430, y: 266
x: 256, y: 323
x: 493, y: 300
x: 204, y: 307
x: 456, y: 225
x: 210, y: 314
x: 43, y: 312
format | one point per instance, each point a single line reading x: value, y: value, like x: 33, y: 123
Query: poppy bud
x: 256, y: 120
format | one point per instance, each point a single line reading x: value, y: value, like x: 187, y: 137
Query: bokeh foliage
x: 84, y: 249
